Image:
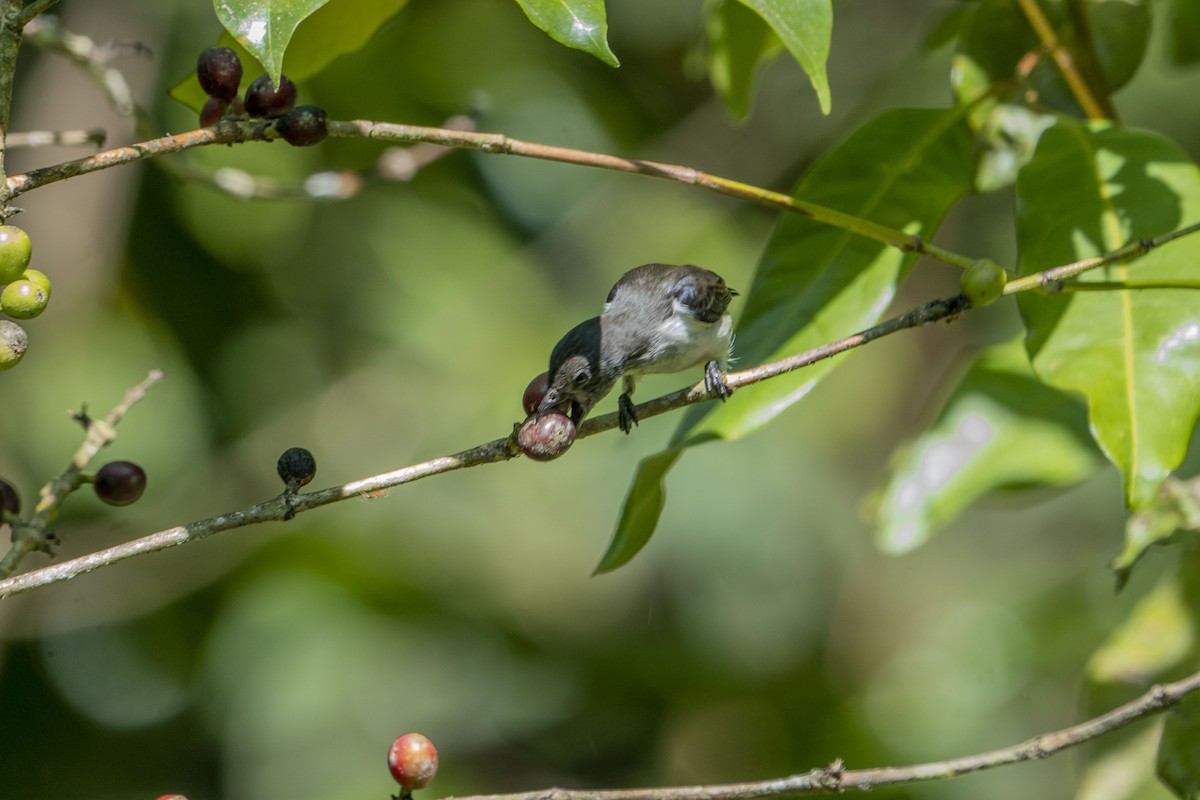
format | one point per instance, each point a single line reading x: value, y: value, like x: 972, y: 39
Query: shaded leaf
x: 1000, y: 427
x: 1134, y: 355
x: 580, y: 24
x: 1176, y: 509
x: 1184, y: 30
x: 816, y: 283
x: 1179, y: 750
x: 642, y: 508
x: 805, y: 28
x: 337, y: 28
x: 1156, y: 637
x: 265, y: 27
x: 739, y: 44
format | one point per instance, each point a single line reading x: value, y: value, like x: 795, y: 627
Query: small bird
x: 658, y: 318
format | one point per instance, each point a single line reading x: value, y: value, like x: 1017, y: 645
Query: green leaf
x: 581, y: 24
x: 337, y: 28
x: 1179, y: 750
x: 1133, y: 354
x: 1184, y: 29
x: 1175, y: 510
x: 265, y: 27
x: 1156, y: 637
x: 816, y: 283
x: 1000, y: 427
x: 739, y: 44
x: 642, y: 509
x: 805, y: 27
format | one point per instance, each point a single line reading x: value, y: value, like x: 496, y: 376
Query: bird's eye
x: 581, y: 377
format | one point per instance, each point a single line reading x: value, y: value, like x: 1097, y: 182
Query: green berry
x: 38, y: 277
x: 24, y: 299
x: 983, y: 281
x: 13, y: 342
x: 15, y: 250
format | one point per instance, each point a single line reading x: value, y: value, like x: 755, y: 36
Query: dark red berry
x: 546, y: 437
x: 534, y: 393
x: 303, y: 126
x: 413, y: 760
x: 212, y: 112
x: 296, y: 466
x: 220, y: 71
x: 10, y: 501
x: 264, y: 100
x: 120, y: 483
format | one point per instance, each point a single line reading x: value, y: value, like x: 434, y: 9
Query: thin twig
x: 92, y: 136
x: 1062, y: 57
x: 836, y: 778
x: 35, y: 8
x: 34, y: 534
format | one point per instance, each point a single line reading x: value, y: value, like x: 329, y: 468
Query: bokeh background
x: 760, y: 633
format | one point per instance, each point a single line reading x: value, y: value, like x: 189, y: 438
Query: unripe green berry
x: 24, y: 299
x: 38, y: 277
x: 983, y: 282
x: 13, y: 342
x: 15, y: 250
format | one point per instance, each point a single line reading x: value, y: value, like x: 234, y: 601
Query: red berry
x: 10, y: 501
x: 413, y: 760
x: 547, y: 437
x: 220, y: 71
x: 214, y: 109
x: 264, y: 100
x: 120, y: 483
x: 303, y: 126
x: 534, y: 393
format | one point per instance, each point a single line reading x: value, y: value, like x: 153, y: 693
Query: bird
x: 658, y: 318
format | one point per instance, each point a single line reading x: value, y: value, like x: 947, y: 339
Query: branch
x: 1066, y: 63
x: 836, y: 778
x: 34, y: 533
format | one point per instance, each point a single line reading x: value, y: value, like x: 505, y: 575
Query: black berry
x: 296, y: 466
x: 9, y: 500
x: 120, y: 483
x: 534, y: 392
x: 303, y: 126
x: 214, y: 109
x: 220, y: 71
x: 264, y: 100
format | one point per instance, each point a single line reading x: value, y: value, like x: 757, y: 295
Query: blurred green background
x: 759, y: 634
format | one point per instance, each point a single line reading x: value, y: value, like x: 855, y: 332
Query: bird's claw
x: 626, y: 413
x: 714, y: 381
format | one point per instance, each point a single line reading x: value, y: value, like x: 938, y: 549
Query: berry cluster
x: 543, y: 437
x: 25, y: 293
x: 220, y: 73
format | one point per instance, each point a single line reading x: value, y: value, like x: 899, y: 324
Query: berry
x: 303, y: 126
x: 220, y: 71
x: 264, y: 100
x: 15, y: 250
x: 534, y: 393
x: 214, y: 109
x: 983, y: 281
x: 547, y: 437
x: 13, y: 342
x: 24, y: 299
x: 10, y: 501
x: 38, y: 277
x: 120, y: 483
x: 413, y: 760
x: 296, y: 466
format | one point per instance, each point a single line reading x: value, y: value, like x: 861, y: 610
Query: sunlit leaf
x: 739, y: 44
x: 1156, y: 636
x: 805, y: 28
x: 581, y: 24
x: 1174, y: 511
x: 337, y: 28
x: 999, y: 427
x: 1179, y: 751
x: 1133, y: 354
x: 265, y: 27
x: 816, y: 283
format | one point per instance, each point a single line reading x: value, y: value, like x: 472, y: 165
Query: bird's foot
x: 626, y: 413
x: 714, y: 381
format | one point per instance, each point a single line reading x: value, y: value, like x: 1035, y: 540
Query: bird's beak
x: 556, y: 402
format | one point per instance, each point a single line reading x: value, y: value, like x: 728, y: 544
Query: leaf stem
x: 1063, y: 58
